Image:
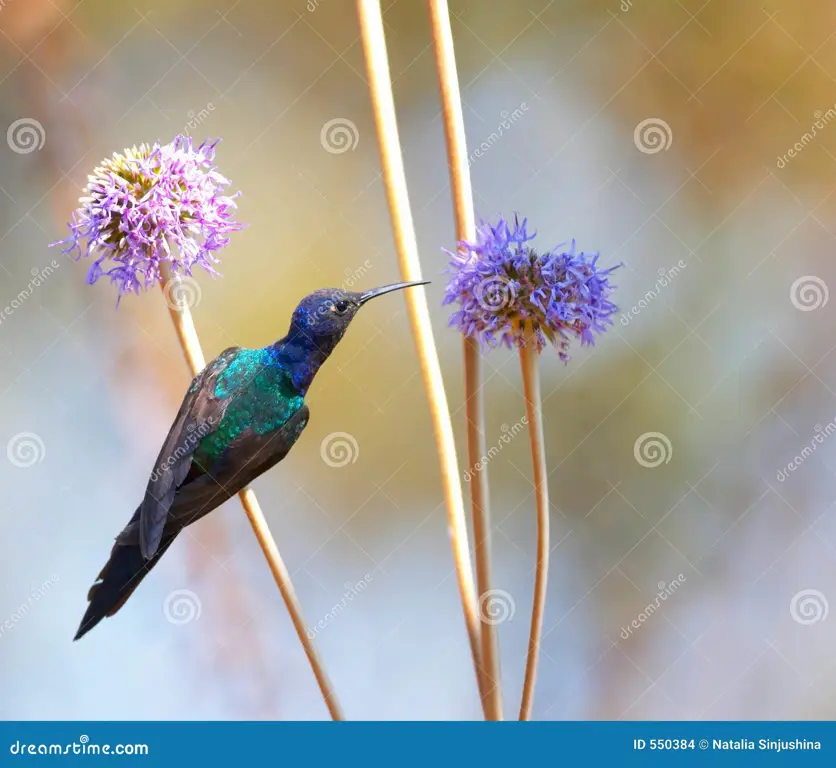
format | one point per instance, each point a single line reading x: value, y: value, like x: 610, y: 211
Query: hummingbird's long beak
x: 374, y: 292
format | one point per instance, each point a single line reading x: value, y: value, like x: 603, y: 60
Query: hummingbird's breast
x: 262, y: 398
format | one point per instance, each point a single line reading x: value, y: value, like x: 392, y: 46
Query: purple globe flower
x: 149, y: 205
x: 502, y: 284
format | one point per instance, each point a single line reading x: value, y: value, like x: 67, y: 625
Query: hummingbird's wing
x: 202, y: 490
x: 199, y: 415
x: 248, y: 456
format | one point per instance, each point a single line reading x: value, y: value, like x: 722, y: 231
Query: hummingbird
x: 241, y: 415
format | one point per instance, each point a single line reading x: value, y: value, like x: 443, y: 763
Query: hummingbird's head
x: 323, y: 316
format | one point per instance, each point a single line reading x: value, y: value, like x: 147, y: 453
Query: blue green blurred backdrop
x: 689, y: 451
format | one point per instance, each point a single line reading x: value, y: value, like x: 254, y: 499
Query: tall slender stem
x: 448, y: 82
x: 529, y: 358
x: 190, y: 343
x: 383, y: 103
x: 476, y: 448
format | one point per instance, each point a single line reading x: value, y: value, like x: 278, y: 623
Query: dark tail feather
x: 117, y: 581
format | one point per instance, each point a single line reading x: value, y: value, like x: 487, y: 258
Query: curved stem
x: 383, y: 104
x: 448, y: 83
x: 181, y: 317
x: 529, y: 357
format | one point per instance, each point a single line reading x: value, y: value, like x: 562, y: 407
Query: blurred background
x: 690, y: 451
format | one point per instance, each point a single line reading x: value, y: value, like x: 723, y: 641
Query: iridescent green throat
x: 263, y: 400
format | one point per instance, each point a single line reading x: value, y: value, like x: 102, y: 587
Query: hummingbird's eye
x: 341, y: 307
